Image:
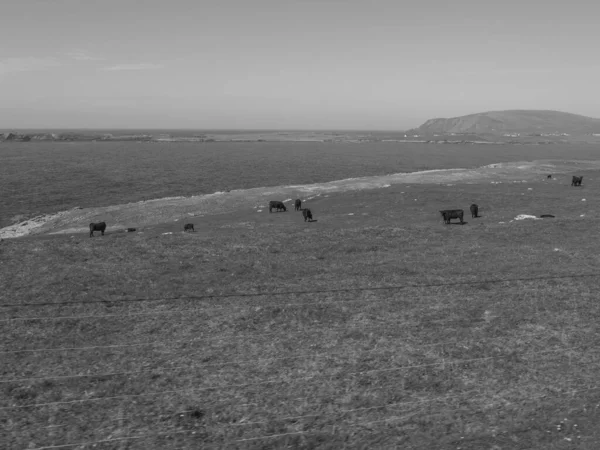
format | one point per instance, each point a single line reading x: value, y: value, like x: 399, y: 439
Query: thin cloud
x: 27, y: 64
x: 134, y: 67
x: 82, y: 55
x: 524, y: 71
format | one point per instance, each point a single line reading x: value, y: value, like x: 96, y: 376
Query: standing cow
x: 449, y: 214
x: 100, y: 226
x: 277, y: 205
x: 298, y: 204
x: 188, y: 227
x: 576, y: 181
x: 307, y: 214
x: 474, y: 210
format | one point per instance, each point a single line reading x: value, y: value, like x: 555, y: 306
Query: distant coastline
x: 175, y: 136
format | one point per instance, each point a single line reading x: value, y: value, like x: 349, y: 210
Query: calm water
x: 46, y: 177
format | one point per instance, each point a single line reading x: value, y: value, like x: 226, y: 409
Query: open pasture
x: 46, y: 177
x: 377, y: 326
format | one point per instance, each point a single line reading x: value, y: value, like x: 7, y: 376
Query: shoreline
x: 165, y: 209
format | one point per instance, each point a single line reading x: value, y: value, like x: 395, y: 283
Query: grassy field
x: 377, y: 326
x: 45, y: 177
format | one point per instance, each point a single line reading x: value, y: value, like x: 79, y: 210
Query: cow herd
x: 279, y: 206
x: 447, y: 214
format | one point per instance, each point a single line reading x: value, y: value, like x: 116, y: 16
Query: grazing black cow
x: 449, y: 214
x: 307, y: 214
x: 576, y: 181
x: 298, y: 204
x: 277, y: 205
x: 100, y: 226
x: 549, y: 177
x: 474, y: 210
x: 188, y: 227
x: 130, y: 230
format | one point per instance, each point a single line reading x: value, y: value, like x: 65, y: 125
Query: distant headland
x: 493, y: 127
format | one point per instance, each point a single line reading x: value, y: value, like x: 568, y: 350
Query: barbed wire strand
x: 229, y: 336
x: 220, y: 308
x: 320, y: 291
x: 284, y: 418
x: 447, y: 396
x: 389, y: 369
x: 271, y: 436
x: 345, y: 327
x: 241, y: 361
x: 395, y: 418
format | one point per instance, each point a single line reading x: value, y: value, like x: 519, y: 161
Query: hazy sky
x: 303, y: 64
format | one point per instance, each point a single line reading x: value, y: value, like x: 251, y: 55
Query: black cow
x: 449, y: 214
x: 298, y: 204
x: 576, y: 181
x: 100, y: 226
x: 277, y: 205
x: 188, y: 227
x: 307, y: 214
x: 474, y: 210
x: 549, y: 177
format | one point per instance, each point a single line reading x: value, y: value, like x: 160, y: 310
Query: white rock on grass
x: 526, y: 216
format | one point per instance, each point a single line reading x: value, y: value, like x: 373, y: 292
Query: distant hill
x: 529, y: 122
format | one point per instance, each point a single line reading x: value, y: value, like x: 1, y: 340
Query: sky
x: 291, y: 64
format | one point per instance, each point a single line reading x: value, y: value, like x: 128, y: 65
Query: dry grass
x: 491, y: 365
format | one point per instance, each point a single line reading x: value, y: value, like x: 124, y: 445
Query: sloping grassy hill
x: 377, y: 326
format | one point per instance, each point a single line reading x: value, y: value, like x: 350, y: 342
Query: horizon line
x: 204, y: 129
